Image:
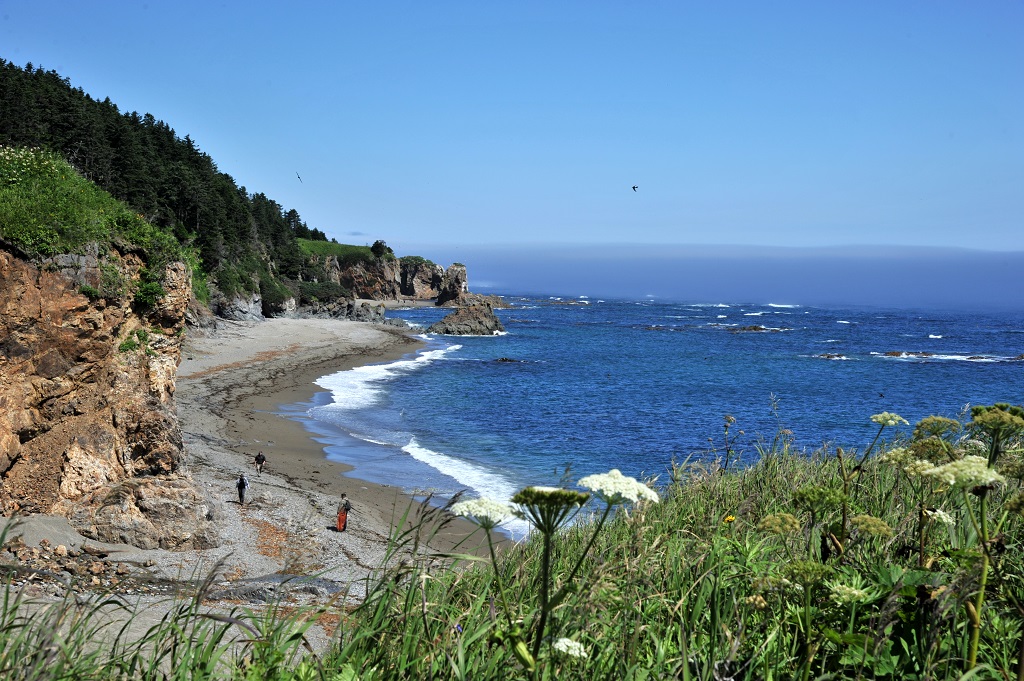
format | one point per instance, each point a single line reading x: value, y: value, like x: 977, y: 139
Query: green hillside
x: 244, y: 241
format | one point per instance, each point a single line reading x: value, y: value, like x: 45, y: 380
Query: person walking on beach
x: 242, y: 485
x: 259, y: 462
x: 344, y: 506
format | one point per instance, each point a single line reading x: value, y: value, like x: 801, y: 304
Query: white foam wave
x: 752, y: 314
x: 363, y: 386
x: 481, y: 481
x: 933, y: 335
x: 932, y: 357
x: 842, y: 321
x: 781, y: 305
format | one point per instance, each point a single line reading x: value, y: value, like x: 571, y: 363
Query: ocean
x: 581, y: 386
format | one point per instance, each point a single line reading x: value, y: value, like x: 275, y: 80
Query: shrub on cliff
x: 47, y: 208
x: 313, y: 291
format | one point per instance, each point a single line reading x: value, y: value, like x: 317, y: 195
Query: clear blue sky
x: 479, y: 123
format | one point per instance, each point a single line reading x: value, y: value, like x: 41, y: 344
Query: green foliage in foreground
x: 897, y: 562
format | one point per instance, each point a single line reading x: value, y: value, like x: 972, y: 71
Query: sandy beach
x: 230, y: 385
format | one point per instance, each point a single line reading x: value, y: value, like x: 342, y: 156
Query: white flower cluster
x: 16, y: 163
x: 970, y: 471
x: 887, y: 419
x: 487, y: 513
x: 940, y: 516
x: 615, y: 488
x: 570, y: 648
x: 848, y: 594
x: 901, y: 457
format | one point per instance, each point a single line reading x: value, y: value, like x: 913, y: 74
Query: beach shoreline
x: 231, y: 386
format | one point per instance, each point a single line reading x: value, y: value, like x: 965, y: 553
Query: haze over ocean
x: 881, y: 276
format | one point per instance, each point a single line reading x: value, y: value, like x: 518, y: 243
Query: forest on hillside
x: 246, y: 241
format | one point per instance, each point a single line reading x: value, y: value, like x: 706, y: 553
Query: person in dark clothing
x: 242, y: 485
x: 259, y: 462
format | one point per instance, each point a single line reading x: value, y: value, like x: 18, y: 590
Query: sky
x: 486, y: 128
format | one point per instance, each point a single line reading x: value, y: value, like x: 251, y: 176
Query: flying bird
x: 634, y: 187
x: 298, y: 176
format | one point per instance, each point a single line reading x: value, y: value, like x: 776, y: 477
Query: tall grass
x: 829, y: 565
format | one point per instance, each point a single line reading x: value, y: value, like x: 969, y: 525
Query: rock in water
x: 471, y: 320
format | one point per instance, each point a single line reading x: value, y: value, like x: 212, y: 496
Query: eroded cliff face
x: 87, y: 423
x: 396, y: 279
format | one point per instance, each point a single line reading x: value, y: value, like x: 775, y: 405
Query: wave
x: 781, y: 305
x: 483, y: 482
x: 934, y: 336
x: 935, y: 357
x: 362, y: 387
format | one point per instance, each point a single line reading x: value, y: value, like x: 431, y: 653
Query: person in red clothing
x: 344, y: 506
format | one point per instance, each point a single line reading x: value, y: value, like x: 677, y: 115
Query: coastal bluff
x: 88, y: 429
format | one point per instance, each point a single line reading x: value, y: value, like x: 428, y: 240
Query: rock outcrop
x: 454, y: 285
x: 354, y: 310
x: 421, y: 279
x: 87, y: 423
x: 471, y: 320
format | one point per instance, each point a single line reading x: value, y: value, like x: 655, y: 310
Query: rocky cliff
x: 87, y: 423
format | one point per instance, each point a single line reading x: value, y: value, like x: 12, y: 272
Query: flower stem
x: 545, y: 573
x: 561, y: 593
x: 979, y: 600
x: 497, y: 579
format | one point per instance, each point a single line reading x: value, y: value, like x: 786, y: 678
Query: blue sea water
x: 636, y: 384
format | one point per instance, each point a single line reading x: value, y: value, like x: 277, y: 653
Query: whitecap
x: 934, y: 336
x: 781, y: 305
x: 842, y: 321
x: 363, y: 386
x: 478, y: 479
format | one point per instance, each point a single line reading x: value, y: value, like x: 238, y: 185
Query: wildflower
x: 1016, y: 505
x: 843, y: 593
x: 897, y: 456
x: 1002, y: 420
x: 887, y: 419
x: 935, y: 426
x: 932, y: 449
x: 807, y: 572
x: 870, y: 525
x: 970, y: 471
x: 816, y: 496
x: 1013, y: 469
x: 548, y: 508
x: 774, y: 584
x: 940, y: 516
x: 779, y: 523
x: 729, y: 519
x: 570, y: 648
x: 757, y: 602
x: 615, y: 488
x: 487, y: 513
